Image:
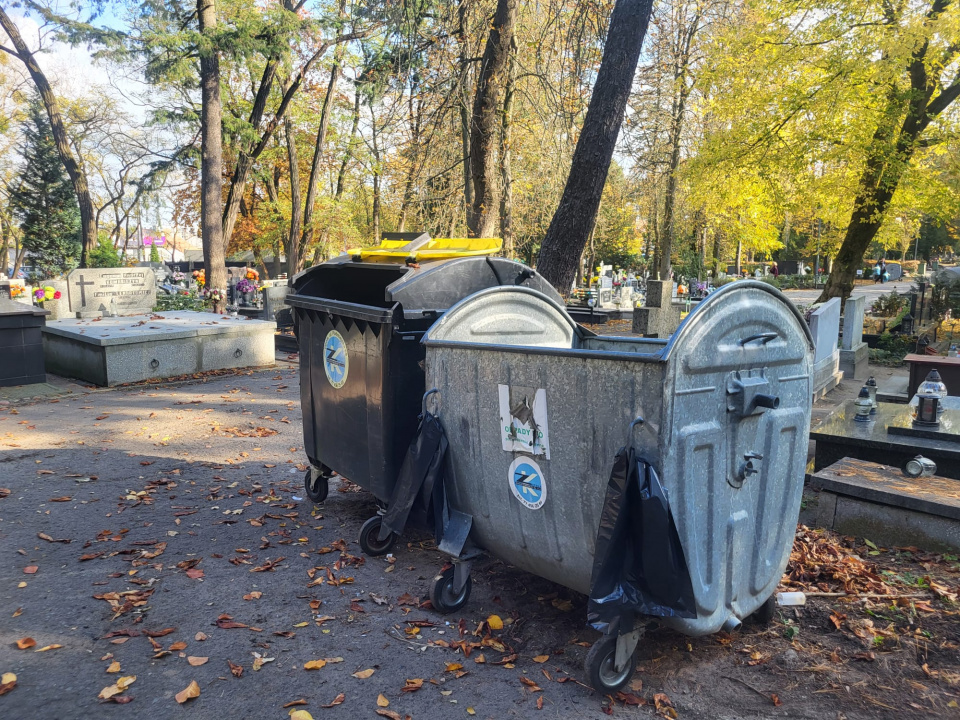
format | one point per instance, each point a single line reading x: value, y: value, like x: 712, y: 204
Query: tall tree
x: 574, y: 219
x: 913, y: 101
x: 485, y: 120
x: 88, y: 221
x: 211, y: 164
x: 43, y: 199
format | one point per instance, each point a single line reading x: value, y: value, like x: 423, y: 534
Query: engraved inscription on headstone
x: 125, y: 290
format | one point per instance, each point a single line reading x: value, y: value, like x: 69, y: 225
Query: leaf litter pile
x: 201, y: 581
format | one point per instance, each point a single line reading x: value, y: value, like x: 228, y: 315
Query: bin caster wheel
x: 369, y: 541
x: 765, y: 614
x: 601, y: 669
x: 316, y: 490
x: 444, y: 599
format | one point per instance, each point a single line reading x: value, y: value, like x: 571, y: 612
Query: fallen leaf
x: 49, y: 647
x: 237, y: 670
x: 453, y: 667
x: 195, y: 573
x: 541, y: 658
x: 301, y: 701
x: 8, y: 681
x: 25, y: 643
x: 382, y: 700
x: 114, y: 667
x: 494, y: 622
x: 18, y: 612
x: 300, y: 714
x: 118, y: 687
x: 190, y: 691
x: 178, y: 646
x: 471, y: 711
x: 31, y: 569
x: 200, y: 637
x: 255, y: 595
x: 336, y: 701
x: 389, y: 714
x: 315, y: 665
x: 412, y: 685
x: 197, y: 661
x: 776, y: 700
x: 540, y: 703
x: 159, y: 633
x: 363, y: 674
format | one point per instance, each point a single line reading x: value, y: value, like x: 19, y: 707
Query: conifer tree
x: 43, y: 199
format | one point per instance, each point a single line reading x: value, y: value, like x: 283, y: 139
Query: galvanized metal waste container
x: 359, y: 319
x: 535, y: 409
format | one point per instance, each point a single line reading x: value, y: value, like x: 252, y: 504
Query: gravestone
x: 825, y: 328
x: 854, y: 353
x: 111, y: 291
x: 659, y: 317
x: 274, y: 298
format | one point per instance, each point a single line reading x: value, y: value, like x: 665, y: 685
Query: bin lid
x: 426, y: 248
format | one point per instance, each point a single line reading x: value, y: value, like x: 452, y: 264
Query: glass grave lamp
x: 928, y: 404
x: 871, y: 387
x: 920, y: 467
x: 906, y: 324
x: 934, y: 384
x: 863, y: 405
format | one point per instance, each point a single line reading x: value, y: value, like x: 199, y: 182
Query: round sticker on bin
x: 335, y: 360
x: 527, y: 483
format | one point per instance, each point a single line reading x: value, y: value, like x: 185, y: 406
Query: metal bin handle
x: 765, y: 337
x: 427, y: 394
x: 639, y: 421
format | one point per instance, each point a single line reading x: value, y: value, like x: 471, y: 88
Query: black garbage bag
x: 639, y: 566
x: 419, y: 488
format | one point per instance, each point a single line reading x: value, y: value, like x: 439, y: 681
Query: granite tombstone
x: 112, y: 291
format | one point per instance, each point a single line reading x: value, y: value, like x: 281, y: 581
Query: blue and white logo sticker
x: 335, y: 360
x: 527, y: 483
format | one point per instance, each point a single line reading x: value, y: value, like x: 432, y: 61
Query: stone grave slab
x: 854, y: 353
x: 825, y: 328
x: 659, y: 317
x: 112, y: 291
x: 114, y: 351
x: 840, y: 436
x: 880, y: 503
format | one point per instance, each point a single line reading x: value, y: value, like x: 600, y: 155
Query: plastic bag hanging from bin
x: 421, y: 476
x: 639, y: 565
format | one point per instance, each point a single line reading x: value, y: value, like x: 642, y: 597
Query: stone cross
x: 83, y: 291
x: 659, y: 317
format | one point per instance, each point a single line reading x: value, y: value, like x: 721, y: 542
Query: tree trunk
x: 506, y: 170
x: 313, y: 183
x: 88, y: 217
x: 739, y: 255
x: 376, y: 177
x: 348, y: 155
x: 294, y: 250
x: 575, y: 216
x: 464, y: 103
x: 211, y: 164
x: 484, y: 124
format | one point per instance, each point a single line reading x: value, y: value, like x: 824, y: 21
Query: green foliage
x: 155, y: 254
x: 43, y: 199
x: 945, y: 295
x: 889, y: 305
x: 105, y: 255
x: 891, y: 350
x: 180, y: 301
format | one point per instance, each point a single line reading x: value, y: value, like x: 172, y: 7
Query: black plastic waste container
x: 359, y: 324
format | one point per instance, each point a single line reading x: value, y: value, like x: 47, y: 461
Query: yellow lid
x: 433, y: 249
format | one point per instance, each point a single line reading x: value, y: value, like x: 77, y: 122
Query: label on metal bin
x: 523, y: 420
x: 335, y: 360
x: 527, y: 483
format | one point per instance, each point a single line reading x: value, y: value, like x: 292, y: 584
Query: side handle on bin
x: 427, y: 394
x: 763, y: 337
x: 638, y: 421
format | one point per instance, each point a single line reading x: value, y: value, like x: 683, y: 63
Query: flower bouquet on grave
x: 253, y: 275
x: 214, y: 296
x: 46, y: 293
x: 246, y: 286
x: 17, y: 291
x: 200, y: 276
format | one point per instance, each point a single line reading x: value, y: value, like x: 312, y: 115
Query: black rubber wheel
x: 765, y: 614
x: 442, y: 596
x: 369, y: 542
x: 316, y: 490
x: 599, y: 666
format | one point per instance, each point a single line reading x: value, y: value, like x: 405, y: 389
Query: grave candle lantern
x: 928, y: 403
x: 863, y: 405
x: 872, y: 390
x: 933, y: 385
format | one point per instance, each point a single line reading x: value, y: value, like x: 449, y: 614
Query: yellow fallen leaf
x: 255, y: 595
x: 118, y: 687
x: 314, y: 664
x: 48, y: 647
x: 8, y: 681
x: 22, y: 585
x: 471, y: 711
x: 363, y: 674
x: 196, y: 661
x: 382, y: 700
x: 114, y: 667
x: 303, y: 624
x: 453, y: 667
x: 480, y: 659
x: 541, y: 658
x: 300, y: 715
x: 27, y: 642
x: 190, y: 691
x: 495, y: 622
x: 126, y: 681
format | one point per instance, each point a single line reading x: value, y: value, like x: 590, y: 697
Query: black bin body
x: 359, y: 326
